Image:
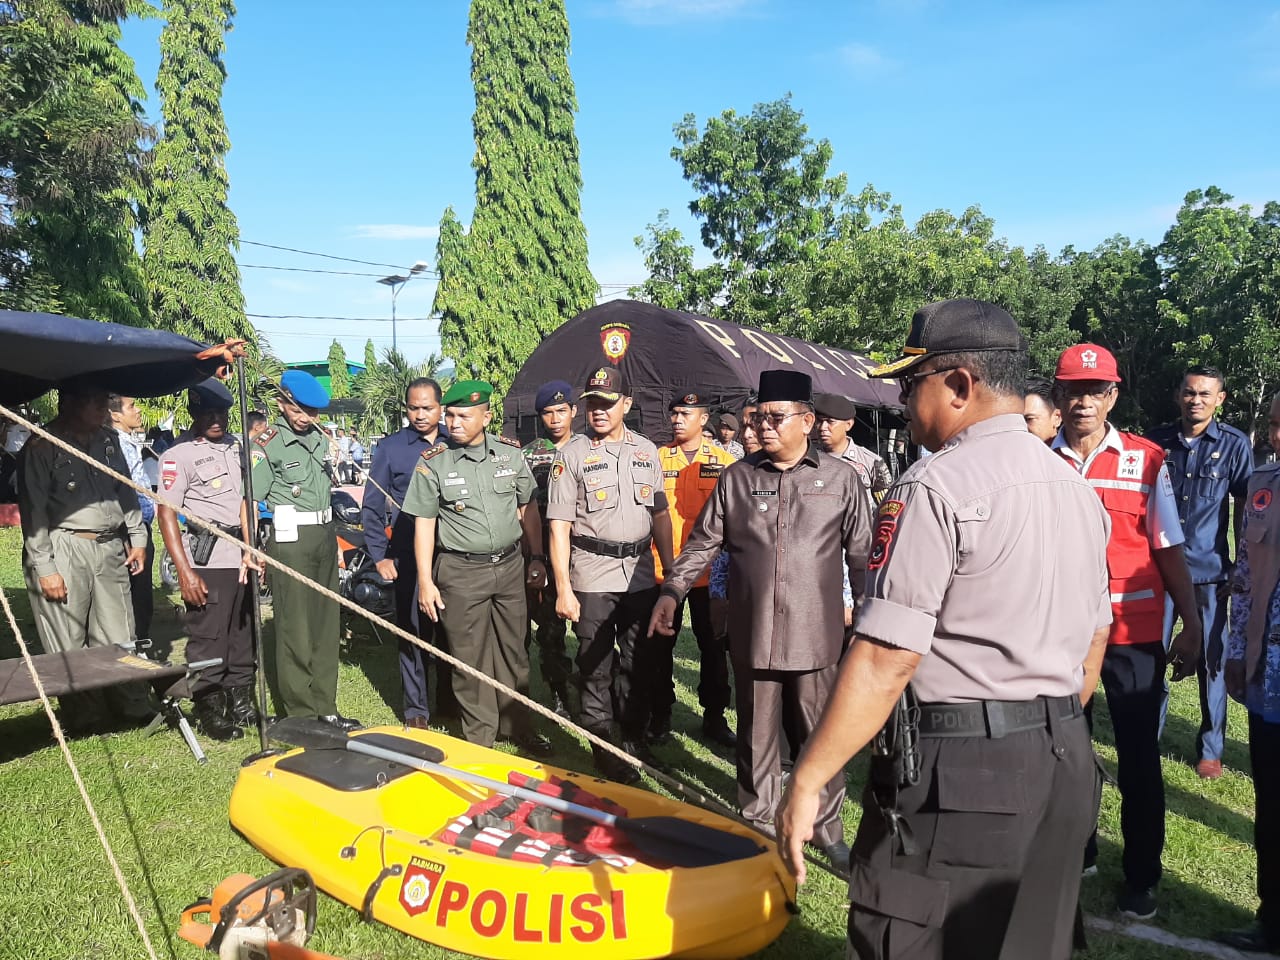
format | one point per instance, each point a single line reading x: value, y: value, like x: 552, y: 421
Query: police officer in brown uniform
x: 791, y: 519
x: 605, y: 499
x: 202, y: 474
x: 836, y: 415
x: 969, y: 845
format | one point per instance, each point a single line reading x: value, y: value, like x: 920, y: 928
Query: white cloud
x: 396, y: 231
x: 667, y: 11
x: 864, y: 58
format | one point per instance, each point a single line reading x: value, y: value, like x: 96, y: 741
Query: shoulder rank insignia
x: 509, y: 442
x: 433, y: 451
x: 265, y: 436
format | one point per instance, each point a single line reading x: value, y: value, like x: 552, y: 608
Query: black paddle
x: 681, y: 843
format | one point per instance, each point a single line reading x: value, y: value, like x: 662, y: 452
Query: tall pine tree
x: 339, y: 376
x: 190, y: 232
x: 72, y: 142
x: 522, y: 270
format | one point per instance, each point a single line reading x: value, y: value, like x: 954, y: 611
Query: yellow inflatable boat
x: 387, y: 822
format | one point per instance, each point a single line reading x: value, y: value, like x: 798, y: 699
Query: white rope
x: 75, y: 774
x: 466, y: 668
x: 676, y: 786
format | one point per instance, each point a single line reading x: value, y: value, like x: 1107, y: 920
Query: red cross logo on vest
x: 1131, y: 463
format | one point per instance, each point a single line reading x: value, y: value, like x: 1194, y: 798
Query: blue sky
x: 1066, y: 122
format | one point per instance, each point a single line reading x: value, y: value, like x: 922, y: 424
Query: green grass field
x: 166, y: 818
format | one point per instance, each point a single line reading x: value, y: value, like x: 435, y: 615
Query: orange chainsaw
x: 256, y: 919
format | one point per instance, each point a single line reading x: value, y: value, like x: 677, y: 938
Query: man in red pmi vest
x: 1144, y: 560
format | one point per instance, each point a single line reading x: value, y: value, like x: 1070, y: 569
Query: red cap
x: 1087, y: 361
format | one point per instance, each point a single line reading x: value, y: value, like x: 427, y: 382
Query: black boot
x: 211, y: 715
x: 244, y: 708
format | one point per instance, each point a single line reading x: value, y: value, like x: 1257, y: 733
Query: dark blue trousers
x: 1209, y: 675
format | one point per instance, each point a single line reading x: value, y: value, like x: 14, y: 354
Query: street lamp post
x: 396, y: 282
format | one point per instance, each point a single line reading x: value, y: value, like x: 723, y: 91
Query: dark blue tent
x: 40, y: 350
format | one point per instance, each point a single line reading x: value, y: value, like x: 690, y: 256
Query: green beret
x: 467, y: 393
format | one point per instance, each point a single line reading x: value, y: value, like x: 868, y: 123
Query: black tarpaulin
x: 40, y: 350
x: 666, y: 353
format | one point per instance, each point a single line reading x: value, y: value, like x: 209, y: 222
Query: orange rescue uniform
x: 688, y: 482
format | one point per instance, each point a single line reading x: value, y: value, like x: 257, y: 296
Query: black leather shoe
x: 716, y: 729
x: 659, y: 731
x: 1251, y: 939
x: 418, y: 723
x: 533, y: 745
x: 639, y: 749
x: 346, y: 724
x: 838, y: 854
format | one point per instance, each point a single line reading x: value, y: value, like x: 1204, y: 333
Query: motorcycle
x: 358, y: 577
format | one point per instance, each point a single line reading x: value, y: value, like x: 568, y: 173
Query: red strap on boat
x: 513, y: 829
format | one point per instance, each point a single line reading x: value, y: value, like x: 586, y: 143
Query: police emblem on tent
x: 615, y: 338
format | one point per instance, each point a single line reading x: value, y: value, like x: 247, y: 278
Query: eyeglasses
x: 775, y: 420
x: 908, y: 383
x: 1095, y: 390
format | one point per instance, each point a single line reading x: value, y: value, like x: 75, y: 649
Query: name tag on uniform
x: 593, y: 467
x: 709, y: 470
x: 764, y: 493
x: 455, y: 481
x: 293, y: 463
x: 503, y: 473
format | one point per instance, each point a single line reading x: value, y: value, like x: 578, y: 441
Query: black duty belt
x: 618, y: 549
x: 993, y: 719
x: 485, y: 557
x: 107, y: 537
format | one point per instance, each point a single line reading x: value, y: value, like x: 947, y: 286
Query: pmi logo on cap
x: 1089, y: 358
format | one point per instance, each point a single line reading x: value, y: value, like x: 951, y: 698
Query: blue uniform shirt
x: 1205, y: 476
x: 394, y: 458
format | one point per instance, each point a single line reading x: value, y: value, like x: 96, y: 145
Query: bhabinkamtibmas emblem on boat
x: 420, y: 880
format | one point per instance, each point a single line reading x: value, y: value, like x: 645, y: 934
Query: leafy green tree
x: 190, y: 233
x: 674, y: 282
x: 1118, y: 286
x: 863, y: 286
x: 382, y: 389
x: 72, y: 146
x: 339, y: 376
x: 766, y: 207
x: 522, y: 270
x: 1220, y: 293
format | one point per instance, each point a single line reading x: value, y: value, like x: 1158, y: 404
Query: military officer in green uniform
x: 473, y: 500
x: 556, y: 409
x: 288, y: 461
x: 82, y: 539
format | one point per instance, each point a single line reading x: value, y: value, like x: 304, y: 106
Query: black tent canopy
x: 666, y: 353
x: 40, y: 350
